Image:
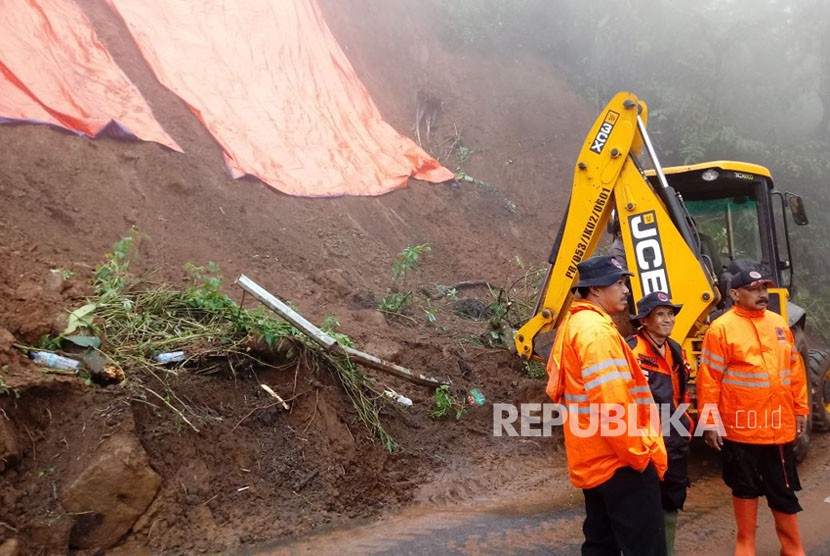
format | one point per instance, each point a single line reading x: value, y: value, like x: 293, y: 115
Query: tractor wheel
x: 819, y: 375
x: 802, y: 444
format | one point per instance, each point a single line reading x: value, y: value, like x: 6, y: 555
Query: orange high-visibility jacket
x: 599, y: 368
x: 751, y: 370
x: 668, y: 377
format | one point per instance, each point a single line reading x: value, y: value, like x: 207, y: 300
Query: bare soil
x: 255, y: 472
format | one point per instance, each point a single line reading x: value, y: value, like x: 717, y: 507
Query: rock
x: 334, y: 279
x: 370, y: 317
x: 27, y: 291
x: 59, y: 323
x: 9, y: 447
x: 384, y: 348
x: 10, y: 548
x: 54, y: 281
x: 7, y: 341
x: 112, y: 492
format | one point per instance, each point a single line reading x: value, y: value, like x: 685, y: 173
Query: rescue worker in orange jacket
x: 592, y: 370
x: 667, y: 372
x: 752, y: 372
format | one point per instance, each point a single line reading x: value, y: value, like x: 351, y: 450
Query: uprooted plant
x: 512, y: 305
x: 137, y: 320
x: 404, y: 262
x: 447, y: 403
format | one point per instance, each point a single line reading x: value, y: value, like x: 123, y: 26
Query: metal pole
x: 650, y: 149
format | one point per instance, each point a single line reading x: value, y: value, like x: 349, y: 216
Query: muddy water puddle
x: 521, y: 527
x: 548, y: 519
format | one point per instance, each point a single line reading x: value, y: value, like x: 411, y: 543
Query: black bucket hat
x: 600, y: 271
x: 750, y: 278
x: 653, y: 300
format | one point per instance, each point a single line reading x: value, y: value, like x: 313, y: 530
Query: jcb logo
x: 604, y: 131
x: 651, y: 266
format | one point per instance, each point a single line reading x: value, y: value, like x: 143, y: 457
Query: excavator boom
x: 661, y: 245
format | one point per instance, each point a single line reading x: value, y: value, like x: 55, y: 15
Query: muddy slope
x: 253, y: 472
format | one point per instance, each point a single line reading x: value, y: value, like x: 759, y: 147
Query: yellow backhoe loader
x: 684, y: 231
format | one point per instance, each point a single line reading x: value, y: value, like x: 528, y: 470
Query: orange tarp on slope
x: 54, y: 70
x: 272, y: 85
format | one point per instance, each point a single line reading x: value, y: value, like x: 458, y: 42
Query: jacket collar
x: 749, y: 314
x: 585, y: 305
x: 650, y: 341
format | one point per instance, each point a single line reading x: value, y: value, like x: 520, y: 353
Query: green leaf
x: 80, y: 317
x: 84, y: 341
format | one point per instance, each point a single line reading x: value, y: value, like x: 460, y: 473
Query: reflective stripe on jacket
x: 667, y: 378
x: 599, y: 368
x: 750, y: 369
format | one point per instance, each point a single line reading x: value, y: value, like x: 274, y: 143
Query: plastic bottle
x: 54, y: 361
x: 476, y: 397
x: 170, y: 357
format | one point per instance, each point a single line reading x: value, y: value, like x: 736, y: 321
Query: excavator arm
x: 661, y: 245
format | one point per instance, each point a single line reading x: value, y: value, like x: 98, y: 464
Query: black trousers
x: 753, y: 470
x: 624, y: 515
x: 674, y: 485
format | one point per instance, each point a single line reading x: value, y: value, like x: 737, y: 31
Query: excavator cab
x: 737, y: 215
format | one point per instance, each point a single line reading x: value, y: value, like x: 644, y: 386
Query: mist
x: 745, y: 80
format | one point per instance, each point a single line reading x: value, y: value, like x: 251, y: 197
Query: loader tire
x: 802, y: 443
x: 819, y: 375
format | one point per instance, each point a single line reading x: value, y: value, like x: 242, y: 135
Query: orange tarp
x: 54, y: 70
x: 270, y: 82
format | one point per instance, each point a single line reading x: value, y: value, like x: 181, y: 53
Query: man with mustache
x: 594, y: 371
x: 752, y: 372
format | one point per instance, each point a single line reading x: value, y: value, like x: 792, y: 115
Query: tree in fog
x: 724, y: 79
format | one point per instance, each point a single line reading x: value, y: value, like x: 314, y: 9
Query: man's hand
x: 713, y: 439
x: 800, y: 424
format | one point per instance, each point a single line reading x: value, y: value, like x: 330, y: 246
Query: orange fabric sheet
x: 54, y: 70
x: 270, y: 82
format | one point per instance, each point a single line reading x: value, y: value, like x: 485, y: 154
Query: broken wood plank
x: 329, y: 343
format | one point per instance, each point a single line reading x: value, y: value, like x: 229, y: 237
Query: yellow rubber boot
x: 786, y: 527
x: 746, y: 517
